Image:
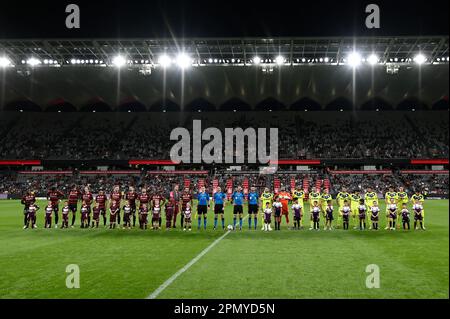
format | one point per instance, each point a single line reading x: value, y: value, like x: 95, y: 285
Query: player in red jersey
x: 157, y: 203
x: 131, y: 197
x: 113, y: 213
x: 88, y: 198
x: 48, y: 215
x: 143, y: 215
x: 74, y: 196
x: 100, y: 200
x: 27, y: 200
x: 186, y: 198
x: 176, y: 195
x: 116, y: 196
x: 55, y: 196
x: 144, y: 199
x: 170, y: 210
x: 96, y: 215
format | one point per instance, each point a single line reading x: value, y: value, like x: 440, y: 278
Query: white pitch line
x: 169, y: 281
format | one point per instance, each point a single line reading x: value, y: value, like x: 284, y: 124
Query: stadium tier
x: 302, y: 135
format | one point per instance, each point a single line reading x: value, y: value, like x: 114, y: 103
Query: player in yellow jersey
x: 266, y: 197
x: 342, y: 196
x: 402, y: 198
x: 324, y: 198
x: 314, y: 196
x: 298, y: 196
x: 354, y: 204
x: 390, y: 194
x: 370, y: 197
x: 418, y: 197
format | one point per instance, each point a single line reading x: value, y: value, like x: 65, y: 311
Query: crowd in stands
x: 15, y: 185
x: 301, y: 135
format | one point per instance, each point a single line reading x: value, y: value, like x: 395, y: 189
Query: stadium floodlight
x: 184, y: 61
x: 327, y: 59
x: 164, y: 61
x: 420, y: 58
x: 256, y: 60
x: 279, y: 60
x: 372, y: 59
x: 33, y: 61
x: 4, y: 62
x: 119, y: 61
x: 354, y: 59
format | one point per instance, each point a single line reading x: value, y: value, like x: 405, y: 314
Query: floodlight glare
x: 4, y: 62
x: 419, y: 58
x: 372, y: 59
x: 256, y: 60
x: 279, y: 60
x: 119, y: 61
x: 164, y: 61
x: 33, y: 61
x: 183, y: 61
x: 354, y: 59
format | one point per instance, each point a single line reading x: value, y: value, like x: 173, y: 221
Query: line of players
x: 352, y: 208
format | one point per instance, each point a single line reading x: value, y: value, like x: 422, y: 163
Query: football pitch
x: 248, y: 264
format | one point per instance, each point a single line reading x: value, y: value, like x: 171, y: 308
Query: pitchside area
x: 248, y: 264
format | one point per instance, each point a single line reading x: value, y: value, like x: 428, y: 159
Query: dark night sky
x: 132, y: 18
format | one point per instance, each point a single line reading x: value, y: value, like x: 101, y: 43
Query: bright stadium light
x: 184, y: 61
x: 256, y: 60
x: 33, y: 61
x: 279, y: 60
x: 4, y: 62
x: 420, y: 58
x: 372, y: 59
x: 119, y: 61
x: 164, y: 61
x: 354, y: 59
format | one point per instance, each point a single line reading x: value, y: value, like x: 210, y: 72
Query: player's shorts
x: 329, y: 216
x: 393, y: 215
x: 267, y: 218
x: 218, y: 209
x: 405, y: 219
x: 316, y: 218
x: 96, y: 216
x: 48, y: 216
x: 55, y: 208
x: 169, y: 213
x: 187, y: 219
x: 143, y: 218
x: 112, y: 218
x: 252, y: 209
x: 237, y: 209
x: 374, y: 218
x: 31, y: 216
x: 297, y: 218
x: 73, y: 208
x: 84, y: 216
x: 418, y: 217
x: 202, y: 209
x: 362, y: 216
x: 277, y: 213
x: 65, y: 217
x: 345, y: 218
x: 102, y: 210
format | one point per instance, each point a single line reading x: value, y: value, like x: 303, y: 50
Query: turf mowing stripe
x: 169, y: 281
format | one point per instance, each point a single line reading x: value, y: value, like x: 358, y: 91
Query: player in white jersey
x: 418, y: 215
x: 297, y: 210
x: 362, y: 214
x: 278, y: 206
x: 329, y: 215
x: 315, y: 215
x: 374, y: 211
x: 345, y: 213
x: 267, y: 217
x: 392, y: 214
x: 48, y: 215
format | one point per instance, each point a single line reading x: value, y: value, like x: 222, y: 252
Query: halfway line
x: 186, y: 267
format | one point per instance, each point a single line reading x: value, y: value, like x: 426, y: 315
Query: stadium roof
x: 147, y: 51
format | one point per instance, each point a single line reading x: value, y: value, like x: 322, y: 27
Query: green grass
x: 248, y: 264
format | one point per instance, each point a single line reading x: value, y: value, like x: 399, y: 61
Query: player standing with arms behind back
x: 202, y: 207
x: 219, y: 208
x: 237, y: 198
x: 253, y: 200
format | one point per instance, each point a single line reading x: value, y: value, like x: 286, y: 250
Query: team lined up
x: 353, y: 208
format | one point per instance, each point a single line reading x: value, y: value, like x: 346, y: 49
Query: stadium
x: 354, y: 115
